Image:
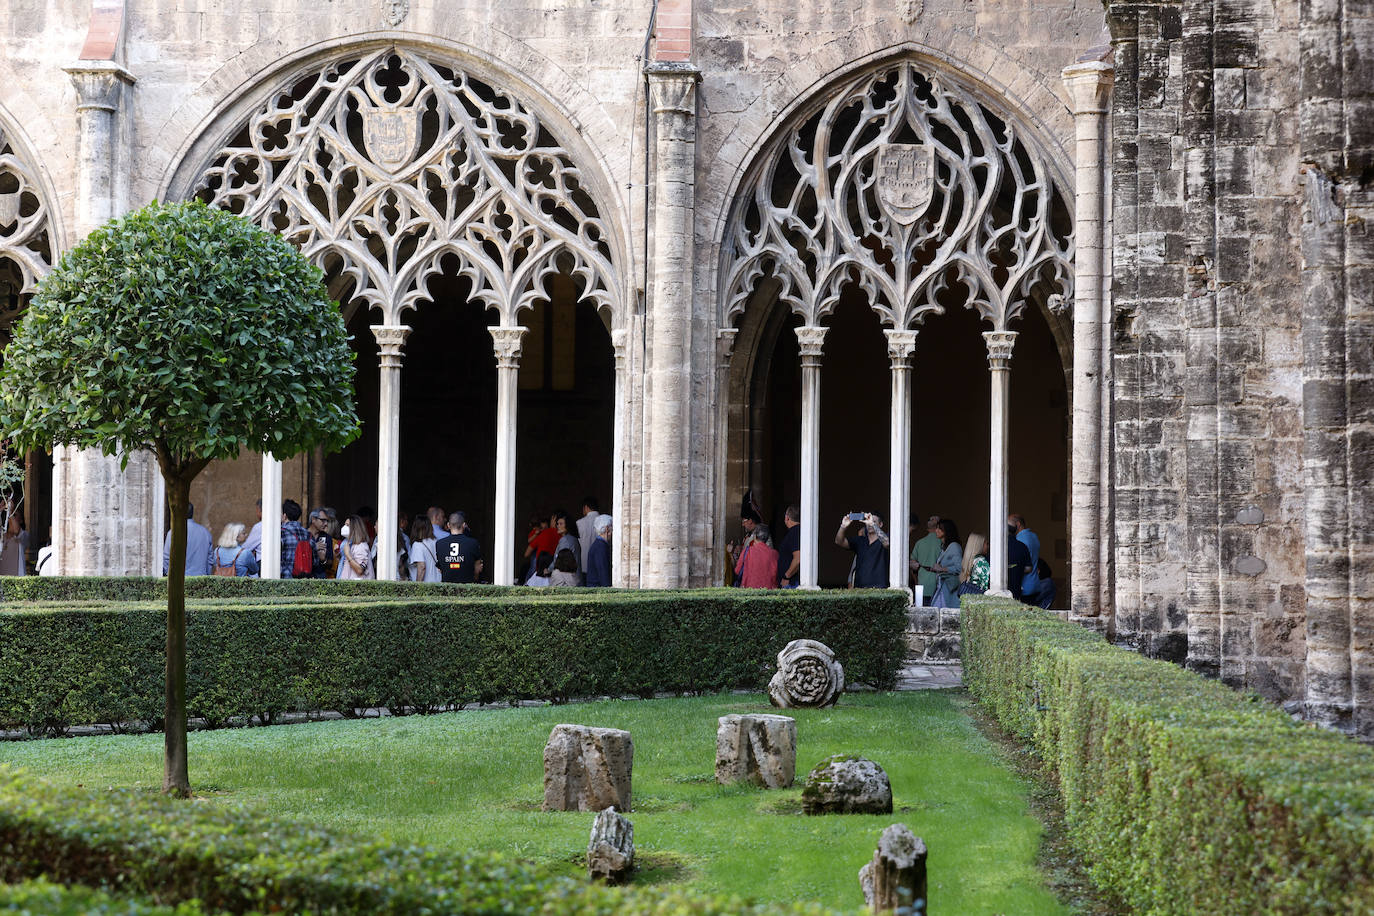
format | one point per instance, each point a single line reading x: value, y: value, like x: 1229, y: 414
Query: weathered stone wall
x: 1237, y: 411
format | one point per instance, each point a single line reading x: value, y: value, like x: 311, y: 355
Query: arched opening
x: 950, y: 434
x: 918, y: 242
x: 447, y: 213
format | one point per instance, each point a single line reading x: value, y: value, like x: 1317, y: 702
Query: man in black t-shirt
x: 460, y: 556
x: 870, y: 551
x: 789, y: 549
x: 1018, y: 563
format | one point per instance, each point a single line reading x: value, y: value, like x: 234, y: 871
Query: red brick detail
x: 673, y: 30
x: 102, y: 37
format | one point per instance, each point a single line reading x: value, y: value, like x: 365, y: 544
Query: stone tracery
x: 25, y: 224
x: 382, y: 166
x: 906, y: 185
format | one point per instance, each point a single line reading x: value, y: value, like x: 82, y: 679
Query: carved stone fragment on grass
x: 845, y: 784
x: 896, y: 878
x: 587, y: 769
x: 611, y: 849
x: 808, y: 675
x: 761, y: 749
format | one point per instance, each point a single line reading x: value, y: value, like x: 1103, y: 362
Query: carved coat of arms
x: 905, y: 180
x: 391, y: 135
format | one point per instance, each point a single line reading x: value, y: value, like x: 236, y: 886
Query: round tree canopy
x: 186, y: 330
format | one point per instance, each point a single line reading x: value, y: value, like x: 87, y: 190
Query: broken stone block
x: 808, y: 675
x: 895, y: 881
x: 611, y: 849
x: 761, y: 749
x: 587, y: 769
x: 846, y: 784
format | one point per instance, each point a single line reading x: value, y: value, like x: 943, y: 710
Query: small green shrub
x: 299, y: 645
x: 1183, y: 795
x: 166, y: 852
x: 41, y: 896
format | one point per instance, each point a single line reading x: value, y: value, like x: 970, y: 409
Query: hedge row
x: 1183, y: 795
x: 163, y: 852
x: 148, y: 588
x: 41, y: 897
x: 65, y: 664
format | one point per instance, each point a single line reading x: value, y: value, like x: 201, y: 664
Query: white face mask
x: 343, y: 532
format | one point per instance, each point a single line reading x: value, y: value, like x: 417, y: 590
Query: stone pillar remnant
x: 611, y: 848
x: 807, y: 675
x: 895, y: 881
x: 587, y: 769
x: 759, y: 749
x: 846, y: 784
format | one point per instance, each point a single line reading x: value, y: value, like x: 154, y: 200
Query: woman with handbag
x: 974, y: 575
x: 228, y: 549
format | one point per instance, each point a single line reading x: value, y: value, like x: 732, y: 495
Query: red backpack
x: 303, y: 564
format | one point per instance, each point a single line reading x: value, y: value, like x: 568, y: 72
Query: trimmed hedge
x: 68, y: 663
x: 1184, y: 796
x: 148, y: 588
x: 41, y: 896
x: 166, y: 852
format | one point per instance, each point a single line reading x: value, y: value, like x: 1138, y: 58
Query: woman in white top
x: 355, y: 554
x: 424, y: 565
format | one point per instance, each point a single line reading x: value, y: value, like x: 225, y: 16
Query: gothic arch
x: 907, y: 180
x: 384, y: 160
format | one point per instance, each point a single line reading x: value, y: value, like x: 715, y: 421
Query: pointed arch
x: 28, y: 230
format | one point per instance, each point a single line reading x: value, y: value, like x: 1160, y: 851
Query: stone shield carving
x: 391, y: 135
x: 808, y: 675
x: 904, y: 180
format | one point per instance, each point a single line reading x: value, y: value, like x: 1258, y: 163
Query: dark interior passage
x: 950, y: 428
x: 565, y: 418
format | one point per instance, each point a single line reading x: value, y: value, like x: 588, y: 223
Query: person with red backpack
x: 296, y: 563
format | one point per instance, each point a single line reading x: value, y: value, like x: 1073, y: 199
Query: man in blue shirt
x: 199, y: 547
x: 1030, y: 583
x: 870, y: 551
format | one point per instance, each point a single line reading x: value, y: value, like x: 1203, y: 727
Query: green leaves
x: 182, y: 325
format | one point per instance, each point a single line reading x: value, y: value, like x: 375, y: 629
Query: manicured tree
x: 192, y: 333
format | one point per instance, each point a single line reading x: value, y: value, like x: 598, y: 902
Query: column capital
x: 620, y: 343
x: 1089, y: 83
x: 98, y: 83
x: 1000, y: 345
x: 672, y: 87
x: 391, y: 339
x: 900, y: 345
x: 810, y: 340
x: 507, y: 342
x: 725, y: 344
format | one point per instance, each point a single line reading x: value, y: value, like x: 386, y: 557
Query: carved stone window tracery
x: 906, y: 185
x: 388, y: 166
x: 25, y: 232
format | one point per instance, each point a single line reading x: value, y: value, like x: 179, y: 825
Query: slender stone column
x: 900, y: 346
x: 664, y: 555
x: 620, y: 343
x: 810, y: 340
x: 507, y: 341
x: 1090, y: 89
x: 391, y: 339
x: 1000, y: 345
x: 269, y: 555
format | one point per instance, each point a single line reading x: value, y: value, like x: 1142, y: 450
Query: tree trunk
x: 175, y: 780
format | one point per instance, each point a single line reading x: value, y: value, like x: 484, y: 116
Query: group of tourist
x: 940, y: 564
x: 433, y: 547
x: 561, y: 552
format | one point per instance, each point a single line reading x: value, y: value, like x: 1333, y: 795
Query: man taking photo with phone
x: 870, y: 549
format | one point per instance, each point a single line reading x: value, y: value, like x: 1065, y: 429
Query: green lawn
x: 474, y: 780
